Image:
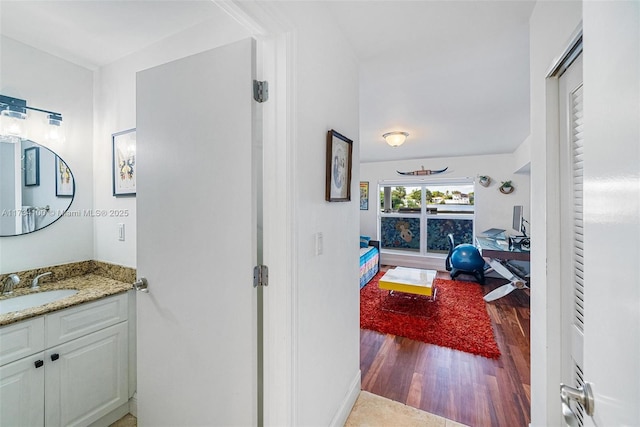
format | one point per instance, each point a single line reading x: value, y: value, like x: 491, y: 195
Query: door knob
x: 583, y: 395
x: 142, y: 285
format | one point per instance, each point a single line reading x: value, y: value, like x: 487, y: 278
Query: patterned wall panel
x: 400, y: 233
x: 439, y: 228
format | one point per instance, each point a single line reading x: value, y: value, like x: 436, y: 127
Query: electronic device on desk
x: 519, y: 242
x: 494, y: 233
x: 497, y: 235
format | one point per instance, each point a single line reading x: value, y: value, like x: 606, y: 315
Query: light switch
x: 121, y: 232
x: 319, y: 245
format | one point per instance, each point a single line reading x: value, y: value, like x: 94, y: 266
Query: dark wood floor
x: 469, y: 389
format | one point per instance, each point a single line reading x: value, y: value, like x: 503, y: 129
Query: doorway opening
x: 459, y: 386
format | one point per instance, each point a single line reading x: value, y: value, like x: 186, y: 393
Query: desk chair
x: 464, y: 259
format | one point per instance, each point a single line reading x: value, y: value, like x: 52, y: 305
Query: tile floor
x: 369, y: 411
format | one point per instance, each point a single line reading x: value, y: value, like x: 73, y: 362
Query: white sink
x: 33, y: 300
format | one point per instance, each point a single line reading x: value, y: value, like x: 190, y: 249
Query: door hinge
x: 260, y: 276
x: 260, y: 91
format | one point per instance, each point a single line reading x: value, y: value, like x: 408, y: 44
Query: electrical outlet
x: 121, y: 232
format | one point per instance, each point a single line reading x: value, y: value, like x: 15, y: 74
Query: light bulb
x: 54, y: 132
x: 12, y: 125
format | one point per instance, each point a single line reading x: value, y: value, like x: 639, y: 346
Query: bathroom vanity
x: 68, y: 362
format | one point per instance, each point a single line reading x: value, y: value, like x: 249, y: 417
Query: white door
x: 571, y: 109
x: 196, y: 224
x: 612, y: 210
x: 611, y: 191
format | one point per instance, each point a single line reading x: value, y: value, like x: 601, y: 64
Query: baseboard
x: 133, y: 405
x: 413, y: 261
x: 112, y: 416
x: 340, y: 418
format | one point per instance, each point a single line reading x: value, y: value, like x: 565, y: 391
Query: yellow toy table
x: 410, y: 281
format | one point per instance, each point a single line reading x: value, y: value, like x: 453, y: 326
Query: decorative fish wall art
x: 423, y: 171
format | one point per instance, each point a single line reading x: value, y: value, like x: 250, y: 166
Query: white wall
x: 522, y: 157
x: 327, y: 375
x: 51, y: 83
x: 492, y: 208
x: 9, y: 190
x: 115, y: 110
x: 551, y: 25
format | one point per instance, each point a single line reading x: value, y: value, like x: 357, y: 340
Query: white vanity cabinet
x: 22, y: 373
x: 76, y: 371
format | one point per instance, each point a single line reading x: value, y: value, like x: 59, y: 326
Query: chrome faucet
x: 34, y: 282
x: 9, y: 282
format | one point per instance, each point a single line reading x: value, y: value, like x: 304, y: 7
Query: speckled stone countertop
x: 91, y: 286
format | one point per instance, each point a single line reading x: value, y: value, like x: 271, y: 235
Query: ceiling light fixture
x: 13, y: 121
x: 395, y: 139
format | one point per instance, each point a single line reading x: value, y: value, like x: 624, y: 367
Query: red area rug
x: 457, y: 319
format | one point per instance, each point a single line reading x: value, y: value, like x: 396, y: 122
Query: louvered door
x: 601, y: 317
x: 572, y: 234
x: 576, y: 123
x: 577, y: 161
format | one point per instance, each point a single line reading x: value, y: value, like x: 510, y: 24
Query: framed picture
x: 338, y: 183
x: 32, y: 166
x: 124, y: 163
x: 65, y: 185
x: 364, y: 195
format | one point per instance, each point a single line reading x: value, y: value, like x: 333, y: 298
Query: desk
x: 497, y: 255
x: 493, y: 248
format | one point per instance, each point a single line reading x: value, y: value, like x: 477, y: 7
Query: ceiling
x: 453, y: 74
x: 93, y: 33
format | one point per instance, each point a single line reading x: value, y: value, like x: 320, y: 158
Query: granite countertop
x: 90, y: 287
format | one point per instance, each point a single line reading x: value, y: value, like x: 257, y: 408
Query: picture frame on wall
x: 65, y: 185
x: 364, y: 195
x: 31, y: 166
x: 123, y: 166
x: 338, y: 178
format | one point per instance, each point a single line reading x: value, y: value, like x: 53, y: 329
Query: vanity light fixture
x: 14, y: 121
x: 395, y: 139
x: 54, y: 130
x: 13, y: 113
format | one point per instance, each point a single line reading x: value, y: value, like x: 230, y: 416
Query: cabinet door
x: 87, y: 378
x: 22, y: 392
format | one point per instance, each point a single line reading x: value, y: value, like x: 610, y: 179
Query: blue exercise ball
x: 466, y: 257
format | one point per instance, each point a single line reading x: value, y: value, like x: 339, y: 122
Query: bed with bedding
x: 369, y: 259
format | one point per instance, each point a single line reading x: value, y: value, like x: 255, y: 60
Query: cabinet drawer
x: 77, y: 321
x: 21, y: 339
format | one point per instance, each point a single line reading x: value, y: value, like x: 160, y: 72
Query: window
x: 417, y: 218
x: 401, y: 199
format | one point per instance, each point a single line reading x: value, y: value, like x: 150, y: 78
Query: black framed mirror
x: 36, y: 187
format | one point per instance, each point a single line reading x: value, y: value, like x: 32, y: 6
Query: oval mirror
x: 36, y: 187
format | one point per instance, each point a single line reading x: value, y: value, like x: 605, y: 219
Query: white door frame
x: 550, y: 352
x: 275, y: 63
